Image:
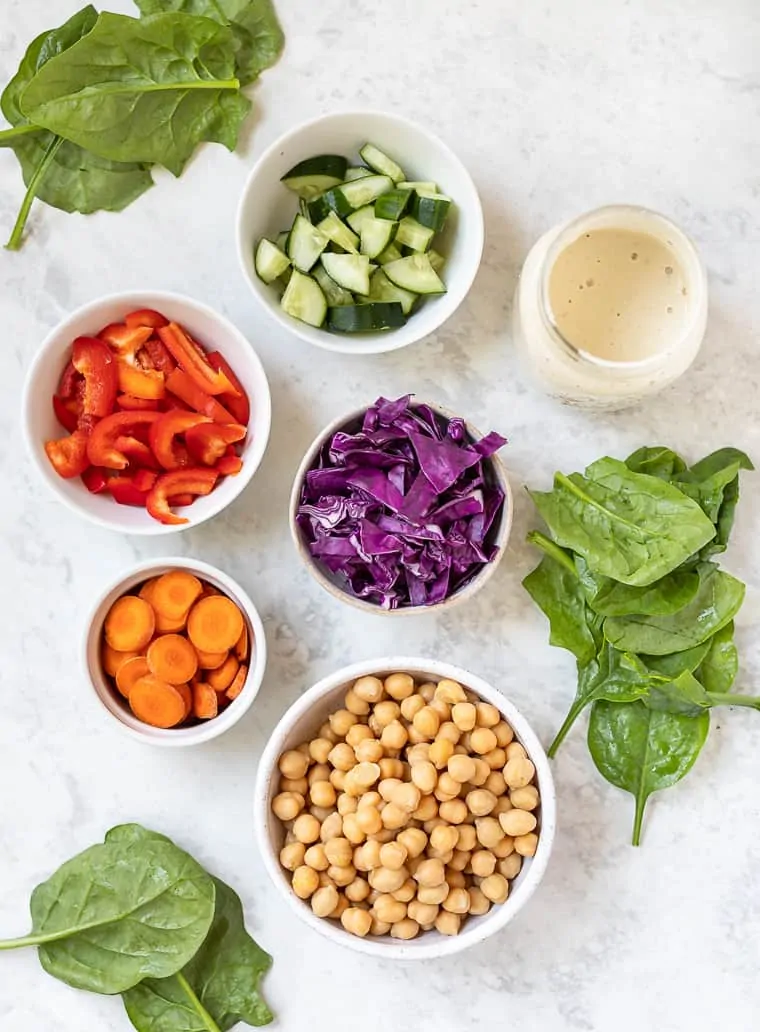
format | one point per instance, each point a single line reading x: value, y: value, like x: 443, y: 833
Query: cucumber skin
x: 344, y: 319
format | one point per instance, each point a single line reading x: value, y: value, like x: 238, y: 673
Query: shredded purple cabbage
x: 402, y: 508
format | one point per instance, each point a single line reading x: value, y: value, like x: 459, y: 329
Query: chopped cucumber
x: 357, y: 218
x: 436, y: 260
x: 270, y: 261
x: 420, y: 187
x: 364, y: 191
x: 366, y: 318
x: 412, y: 234
x: 303, y: 207
x: 390, y: 254
x: 304, y: 300
x: 283, y: 280
x: 414, y: 273
x: 431, y: 210
x: 393, y: 205
x: 282, y: 240
x: 356, y: 172
x: 334, y: 294
x: 380, y: 162
x: 377, y: 234
x: 339, y: 233
x: 305, y: 244
x: 315, y: 175
x: 381, y: 289
x: 330, y: 200
x: 350, y: 271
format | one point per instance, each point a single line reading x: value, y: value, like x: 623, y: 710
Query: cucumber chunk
x: 436, y: 260
x: 357, y: 218
x: 282, y: 240
x: 350, y: 271
x: 412, y: 234
x: 357, y: 172
x: 363, y: 191
x: 420, y: 186
x: 338, y: 232
x: 270, y: 262
x: 393, y: 205
x: 376, y: 235
x: 305, y: 244
x: 390, y: 254
x: 313, y: 176
x: 381, y: 289
x: 330, y: 200
x: 431, y: 209
x: 304, y: 300
x: 366, y: 318
x: 414, y: 273
x: 380, y: 162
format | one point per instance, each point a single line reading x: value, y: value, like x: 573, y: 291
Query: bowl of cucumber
x: 360, y: 232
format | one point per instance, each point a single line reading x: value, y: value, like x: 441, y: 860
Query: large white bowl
x: 267, y: 207
x: 301, y: 723
x: 109, y: 699
x: 209, y: 328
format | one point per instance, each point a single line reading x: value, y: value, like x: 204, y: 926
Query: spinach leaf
x: 54, y: 170
x: 146, y: 91
x: 720, y: 665
x: 628, y: 526
x: 683, y: 694
x: 667, y: 595
x: 120, y: 912
x: 716, y: 603
x: 253, y: 23
x: 706, y: 481
x: 656, y: 461
x: 675, y: 663
x: 642, y: 750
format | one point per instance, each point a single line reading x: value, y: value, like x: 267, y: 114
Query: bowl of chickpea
x: 405, y: 808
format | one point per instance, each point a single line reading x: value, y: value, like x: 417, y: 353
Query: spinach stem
x: 200, y: 1010
x: 16, y: 237
x: 535, y: 537
x: 731, y: 699
x: 18, y: 130
x: 573, y: 713
x: 641, y: 802
x: 103, y: 89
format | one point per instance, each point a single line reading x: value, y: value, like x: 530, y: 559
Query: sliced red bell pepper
x: 68, y: 455
x: 192, y: 360
x: 95, y: 480
x: 66, y: 412
x: 181, y: 500
x: 240, y: 407
x: 125, y: 492
x: 126, y: 401
x: 146, y: 317
x: 180, y: 482
x: 136, y: 451
x: 169, y: 452
x: 144, y: 479
x: 70, y: 380
x: 229, y: 465
x: 101, y: 448
x: 141, y: 383
x: 208, y: 442
x: 94, y: 360
x: 159, y: 356
x: 125, y: 340
x: 188, y: 391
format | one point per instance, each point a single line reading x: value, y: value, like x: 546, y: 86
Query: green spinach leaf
x: 667, y: 595
x: 147, y: 91
x: 656, y: 461
x: 675, y: 663
x: 706, y: 481
x: 642, y: 750
x: 720, y: 665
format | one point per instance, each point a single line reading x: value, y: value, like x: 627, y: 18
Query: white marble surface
x: 556, y: 108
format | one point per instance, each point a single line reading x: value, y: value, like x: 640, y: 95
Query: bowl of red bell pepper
x: 147, y: 412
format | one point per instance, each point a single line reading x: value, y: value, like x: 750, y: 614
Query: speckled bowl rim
x: 464, y: 594
x: 431, y: 945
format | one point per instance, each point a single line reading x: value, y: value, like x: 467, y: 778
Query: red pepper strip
x: 208, y: 442
x: 181, y: 500
x: 136, y: 451
x: 144, y: 479
x: 125, y: 340
x: 141, y: 383
x: 68, y: 455
x: 182, y: 481
x: 193, y: 362
x: 101, y: 448
x: 239, y: 407
x: 93, y: 359
x: 95, y: 480
x: 70, y: 379
x: 229, y: 465
x: 146, y: 317
x: 187, y: 390
x: 126, y: 401
x: 66, y: 412
x: 125, y: 492
x: 163, y: 433
x: 159, y: 356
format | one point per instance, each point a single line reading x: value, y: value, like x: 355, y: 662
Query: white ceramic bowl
x: 109, y: 699
x: 267, y: 207
x: 301, y: 722
x: 499, y: 534
x: 208, y: 327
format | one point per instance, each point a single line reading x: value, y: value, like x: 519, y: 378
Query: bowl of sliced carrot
x: 175, y: 651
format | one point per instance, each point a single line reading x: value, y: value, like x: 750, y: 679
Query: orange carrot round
x: 211, y: 660
x: 239, y: 683
x: 215, y: 624
x: 175, y: 592
x: 167, y: 625
x: 146, y: 591
x: 112, y: 660
x: 129, y: 624
x: 205, y: 702
x: 130, y: 672
x: 157, y: 703
x: 222, y: 678
x: 187, y: 695
x: 172, y: 658
x: 241, y: 646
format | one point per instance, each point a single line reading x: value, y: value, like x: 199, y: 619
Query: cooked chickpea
x: 526, y: 798
x: 357, y: 890
x: 516, y: 751
x: 393, y: 855
x: 355, y: 704
x: 483, y: 863
x: 357, y: 734
x: 305, y: 881
x: 394, y: 735
x: 391, y: 768
x: 356, y: 921
x: 292, y: 855
x: 482, y: 771
x: 371, y: 798
x: 369, y: 820
x: 422, y: 913
x: 414, y: 841
x: 442, y: 709
x: 322, y: 793
x: 347, y: 804
x: 434, y: 894
x: 488, y: 831
x: 399, y: 686
x: 342, y: 756
x: 495, y: 887
x: 342, y: 906
x: 457, y: 901
x: 287, y: 805
x: 342, y: 876
x: 459, y: 860
x: 386, y: 835
x: 455, y: 879
x: 327, y: 733
x: 293, y: 764
x: 495, y: 783
x: 412, y: 705
x: 341, y: 721
x: 379, y: 927
x: 447, y: 787
x: 407, y: 796
x: 495, y: 759
x: 319, y: 749
x: 504, y: 734
x: 440, y: 752
x: 504, y: 847
x: 444, y: 838
x: 393, y: 817
x: 503, y: 805
x: 370, y: 689
x: 407, y: 892
x: 387, y: 909
x: 427, y: 691
x: 332, y: 827
x: 424, y: 776
x: 464, y: 715
x: 315, y: 857
x: 517, y: 822
x: 298, y: 785
x: 339, y: 852
x: 450, y: 691
x: 369, y: 750
x: 365, y: 775
x: 449, y: 732
x: 427, y: 810
x: 406, y: 929
x: 482, y: 740
x: 385, y: 880
x: 430, y: 872
x: 454, y: 811
x: 318, y: 772
x: 526, y: 845
x: 338, y: 779
x: 306, y: 828
x: 427, y: 722
x: 479, y: 904
x: 324, y: 901
x: 487, y: 715
x: 386, y: 712
x: 461, y: 768
x: 510, y: 866
x: 480, y: 801
x: 467, y: 838
x: 447, y: 923
x: 352, y: 830
x: 367, y: 857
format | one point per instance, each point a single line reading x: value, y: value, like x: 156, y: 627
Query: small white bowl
x: 301, y: 722
x: 208, y: 327
x: 117, y: 708
x: 499, y: 535
x: 267, y: 208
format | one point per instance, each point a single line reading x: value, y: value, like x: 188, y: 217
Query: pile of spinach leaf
x: 100, y: 100
x: 137, y: 915
x: 629, y: 585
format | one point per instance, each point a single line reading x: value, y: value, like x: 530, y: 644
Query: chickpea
x: 355, y: 704
x: 483, y: 863
x: 298, y: 785
x: 495, y: 759
x: 328, y: 734
x: 482, y: 740
x: 386, y: 835
x: 450, y: 691
x: 444, y: 838
x: 342, y: 876
x: 356, y: 921
x: 440, y: 752
x: 504, y: 734
x: 495, y: 783
x: 379, y: 927
x: 510, y: 866
x: 342, y: 756
x: 370, y: 689
x: 339, y: 852
x: 422, y: 913
x: 315, y: 857
x: 407, y: 796
x: 318, y: 772
x: 364, y: 775
x: 442, y: 709
x: 435, y: 822
x: 391, y: 768
x: 399, y: 686
x: 479, y: 904
x: 306, y: 828
x: 406, y: 929
x: 369, y: 820
x: 357, y: 890
x: 393, y: 855
x: 352, y: 830
x: 427, y: 691
x: 292, y: 855
x: 413, y: 863
x: 305, y: 881
x: 434, y: 894
x: 367, y: 857
x: 304, y: 749
x: 386, y: 712
x: 447, y: 923
x: 293, y: 764
x: 480, y: 801
x: 407, y: 891
x: 324, y: 901
x: 461, y: 768
x: 342, y: 906
x: 447, y: 787
x: 455, y: 879
x: 487, y: 715
x: 357, y: 734
x: 482, y: 771
x: 413, y: 840
x: 368, y: 750
x: 394, y: 735
x: 424, y: 776
x: 393, y: 817
x: 411, y: 706
x: 287, y: 805
x: 495, y: 887
x: 504, y: 847
x: 516, y: 751
x: 387, y: 909
x: 347, y: 804
x: 488, y: 831
x: 427, y: 810
x: 449, y: 732
x: 427, y: 722
x: 385, y: 880
x: 517, y: 822
x: 526, y: 798
x: 457, y: 901
x: 332, y: 828
x: 341, y: 721
x: 319, y: 749
x: 429, y: 873
x: 454, y: 811
x: 503, y: 805
x: 464, y: 715
x: 464, y: 741
x: 467, y: 838
x: 322, y: 793
x: 371, y: 798
x: 338, y: 779
x: 416, y: 737
x: 526, y: 845
x: 459, y: 860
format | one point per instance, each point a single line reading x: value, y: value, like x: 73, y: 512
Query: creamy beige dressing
x: 619, y: 295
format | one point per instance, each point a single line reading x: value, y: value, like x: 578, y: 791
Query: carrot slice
x: 205, y: 704
x: 221, y: 679
x: 112, y: 660
x: 166, y: 625
x: 146, y: 591
x: 215, y: 624
x: 175, y: 592
x: 130, y: 672
x: 211, y: 660
x: 209, y: 589
x: 187, y: 695
x: 239, y: 683
x: 156, y: 703
x: 129, y: 624
x: 172, y: 658
x: 241, y: 646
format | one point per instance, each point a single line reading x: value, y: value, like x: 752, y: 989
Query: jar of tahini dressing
x: 611, y: 307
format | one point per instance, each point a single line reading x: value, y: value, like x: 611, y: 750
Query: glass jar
x: 571, y: 352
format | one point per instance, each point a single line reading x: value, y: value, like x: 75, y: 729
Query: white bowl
x: 208, y: 327
x: 301, y: 722
x: 267, y: 207
x: 109, y: 699
x: 499, y: 533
